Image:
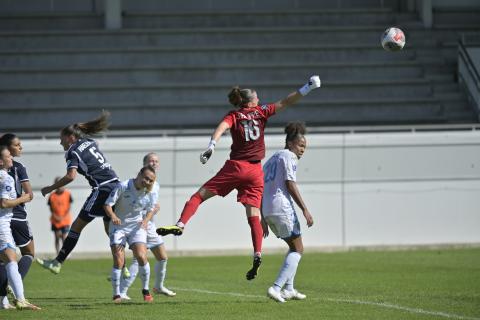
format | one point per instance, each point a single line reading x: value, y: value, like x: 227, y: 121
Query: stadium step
x: 51, y: 21
x: 194, y: 56
x: 188, y: 37
x: 240, y: 74
x: 155, y: 115
x: 269, y: 91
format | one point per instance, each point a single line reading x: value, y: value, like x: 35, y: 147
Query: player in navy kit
x: 21, y: 232
x: 83, y: 156
x: 243, y: 171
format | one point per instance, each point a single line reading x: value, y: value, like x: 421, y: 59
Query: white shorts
x: 131, y: 234
x: 6, y: 238
x: 284, y: 225
x: 153, y: 239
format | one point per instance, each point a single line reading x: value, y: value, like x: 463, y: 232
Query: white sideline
x: 352, y: 301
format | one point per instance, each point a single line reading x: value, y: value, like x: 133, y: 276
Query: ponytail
x: 82, y: 129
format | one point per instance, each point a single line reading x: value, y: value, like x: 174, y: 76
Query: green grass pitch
x: 420, y: 284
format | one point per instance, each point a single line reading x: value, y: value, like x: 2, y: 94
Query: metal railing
x: 468, y: 74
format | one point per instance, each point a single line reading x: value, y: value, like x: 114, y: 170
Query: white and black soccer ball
x: 393, y: 39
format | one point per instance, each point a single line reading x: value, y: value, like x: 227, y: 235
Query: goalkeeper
x: 243, y: 171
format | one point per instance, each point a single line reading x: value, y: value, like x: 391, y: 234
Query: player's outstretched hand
x: 313, y: 83
x: 205, y: 155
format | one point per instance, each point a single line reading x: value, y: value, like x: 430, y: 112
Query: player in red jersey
x: 243, y: 171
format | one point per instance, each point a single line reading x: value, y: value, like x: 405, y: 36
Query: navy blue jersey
x: 19, y: 174
x: 90, y: 162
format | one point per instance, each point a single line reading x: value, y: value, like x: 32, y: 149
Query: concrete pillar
x: 113, y: 14
x: 424, y: 8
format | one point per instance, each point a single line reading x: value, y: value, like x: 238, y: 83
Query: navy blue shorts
x: 21, y: 232
x: 64, y: 229
x: 93, y: 206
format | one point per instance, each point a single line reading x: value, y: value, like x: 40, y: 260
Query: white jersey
x: 7, y: 191
x: 130, y: 203
x: 282, y: 166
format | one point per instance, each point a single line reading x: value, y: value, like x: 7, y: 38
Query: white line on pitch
x: 370, y: 303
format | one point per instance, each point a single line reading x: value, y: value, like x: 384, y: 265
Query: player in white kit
x: 154, y: 243
x: 128, y: 225
x: 8, y: 256
x: 280, y: 175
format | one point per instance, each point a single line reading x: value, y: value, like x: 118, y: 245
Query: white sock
x: 289, y: 283
x: 126, y: 283
x: 289, y: 267
x: 15, y: 279
x: 116, y: 275
x: 160, y: 273
x: 4, y: 300
x: 145, y: 275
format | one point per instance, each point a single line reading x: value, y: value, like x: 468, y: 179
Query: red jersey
x: 246, y: 127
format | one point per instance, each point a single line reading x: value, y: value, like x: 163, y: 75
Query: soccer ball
x: 393, y: 39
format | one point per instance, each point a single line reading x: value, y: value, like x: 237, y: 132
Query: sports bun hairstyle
x: 294, y: 130
x: 82, y: 129
x: 239, y: 97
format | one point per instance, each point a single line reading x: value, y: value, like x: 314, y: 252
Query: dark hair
x: 150, y: 168
x: 239, y: 97
x: 294, y: 130
x: 82, y: 129
x: 7, y: 139
x: 148, y: 155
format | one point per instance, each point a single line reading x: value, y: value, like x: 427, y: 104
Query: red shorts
x: 244, y: 176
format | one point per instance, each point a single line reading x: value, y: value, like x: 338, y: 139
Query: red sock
x: 257, y: 233
x: 190, y: 208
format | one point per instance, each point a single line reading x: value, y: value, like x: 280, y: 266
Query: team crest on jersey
x: 264, y: 107
x: 294, y: 167
x: 8, y: 188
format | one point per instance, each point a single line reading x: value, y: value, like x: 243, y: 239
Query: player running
x: 21, y: 232
x: 278, y: 210
x: 83, y: 156
x: 128, y: 225
x: 8, y: 256
x: 243, y: 171
x: 154, y: 243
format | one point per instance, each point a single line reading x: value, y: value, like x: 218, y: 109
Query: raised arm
x: 66, y: 179
x: 221, y: 128
x: 313, y: 83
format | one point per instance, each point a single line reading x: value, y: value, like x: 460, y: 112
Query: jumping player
x: 154, y: 243
x: 83, y: 156
x: 128, y: 225
x: 243, y: 171
x: 278, y: 211
x: 8, y: 256
x: 21, y: 232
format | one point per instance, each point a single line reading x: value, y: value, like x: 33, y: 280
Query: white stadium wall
x: 362, y: 189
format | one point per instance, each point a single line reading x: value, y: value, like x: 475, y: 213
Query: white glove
x: 313, y: 83
x: 205, y: 155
